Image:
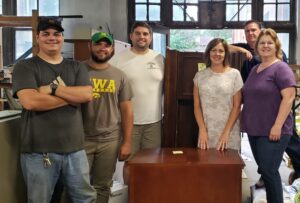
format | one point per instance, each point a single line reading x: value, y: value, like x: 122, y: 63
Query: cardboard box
x: 118, y: 193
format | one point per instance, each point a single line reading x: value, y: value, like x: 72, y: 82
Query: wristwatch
x: 53, y: 87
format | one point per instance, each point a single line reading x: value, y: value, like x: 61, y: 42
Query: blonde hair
x: 270, y: 32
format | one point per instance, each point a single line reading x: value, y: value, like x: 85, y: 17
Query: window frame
x: 148, y: 4
x: 185, y: 5
x: 257, y: 7
x: 238, y: 12
x: 9, y: 56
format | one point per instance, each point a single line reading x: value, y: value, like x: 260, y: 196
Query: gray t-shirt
x: 101, y: 116
x: 262, y: 98
x: 59, y: 130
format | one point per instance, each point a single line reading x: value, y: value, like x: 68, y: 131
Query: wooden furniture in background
x: 179, y: 125
x: 20, y: 21
x: 23, y: 21
x: 296, y: 70
x: 210, y: 176
x: 12, y: 186
x: 81, y: 49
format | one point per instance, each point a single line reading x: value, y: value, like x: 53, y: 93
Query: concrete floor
x: 251, y: 171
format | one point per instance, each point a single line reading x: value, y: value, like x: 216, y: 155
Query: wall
x: 119, y: 19
x: 96, y: 14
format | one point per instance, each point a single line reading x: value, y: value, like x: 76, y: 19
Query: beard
x: 101, y: 60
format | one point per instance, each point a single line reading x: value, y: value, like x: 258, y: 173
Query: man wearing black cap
x: 51, y: 89
x: 108, y: 117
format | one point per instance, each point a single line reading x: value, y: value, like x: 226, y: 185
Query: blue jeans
x: 41, y: 179
x: 268, y: 156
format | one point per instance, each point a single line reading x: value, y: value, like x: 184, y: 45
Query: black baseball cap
x: 50, y: 22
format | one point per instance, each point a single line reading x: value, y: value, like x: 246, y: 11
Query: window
x: 276, y: 10
x: 147, y: 10
x: 185, y: 10
x: 222, y: 15
x: 159, y: 42
x: 18, y: 40
x: 46, y: 7
x: 1, y: 8
x: 24, y: 7
x: 197, y: 39
x: 23, y: 42
x: 201, y: 13
x: 238, y: 10
x: 23, y: 36
x: 285, y: 37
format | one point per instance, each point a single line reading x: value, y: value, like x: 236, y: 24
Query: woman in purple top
x: 266, y: 117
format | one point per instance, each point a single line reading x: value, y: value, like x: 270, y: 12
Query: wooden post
x: 34, y: 23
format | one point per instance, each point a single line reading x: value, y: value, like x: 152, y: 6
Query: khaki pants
x: 102, y: 157
x: 146, y: 136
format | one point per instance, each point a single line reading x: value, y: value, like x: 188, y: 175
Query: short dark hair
x: 258, y: 23
x: 211, y: 45
x: 141, y: 24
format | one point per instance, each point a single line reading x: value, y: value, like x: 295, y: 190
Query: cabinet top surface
x: 186, y: 156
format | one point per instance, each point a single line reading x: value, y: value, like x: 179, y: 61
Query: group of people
x: 266, y: 98
x: 79, y: 118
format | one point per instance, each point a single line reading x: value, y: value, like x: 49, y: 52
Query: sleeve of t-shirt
x: 238, y: 83
x: 82, y: 77
x: 243, y: 45
x: 23, y: 77
x: 196, y: 79
x: 125, y: 92
x: 284, y: 77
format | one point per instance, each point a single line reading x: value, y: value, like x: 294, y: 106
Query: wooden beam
x: 15, y: 21
x: 34, y: 23
x: 27, y: 21
x: 23, y: 21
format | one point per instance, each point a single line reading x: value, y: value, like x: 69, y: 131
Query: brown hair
x: 270, y: 32
x: 211, y: 45
x: 141, y: 24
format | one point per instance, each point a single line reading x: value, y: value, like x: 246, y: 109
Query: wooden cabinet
x: 81, y: 48
x: 12, y: 186
x: 210, y: 176
x: 180, y: 128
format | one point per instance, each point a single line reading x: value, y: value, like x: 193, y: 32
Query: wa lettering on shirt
x: 101, y: 86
